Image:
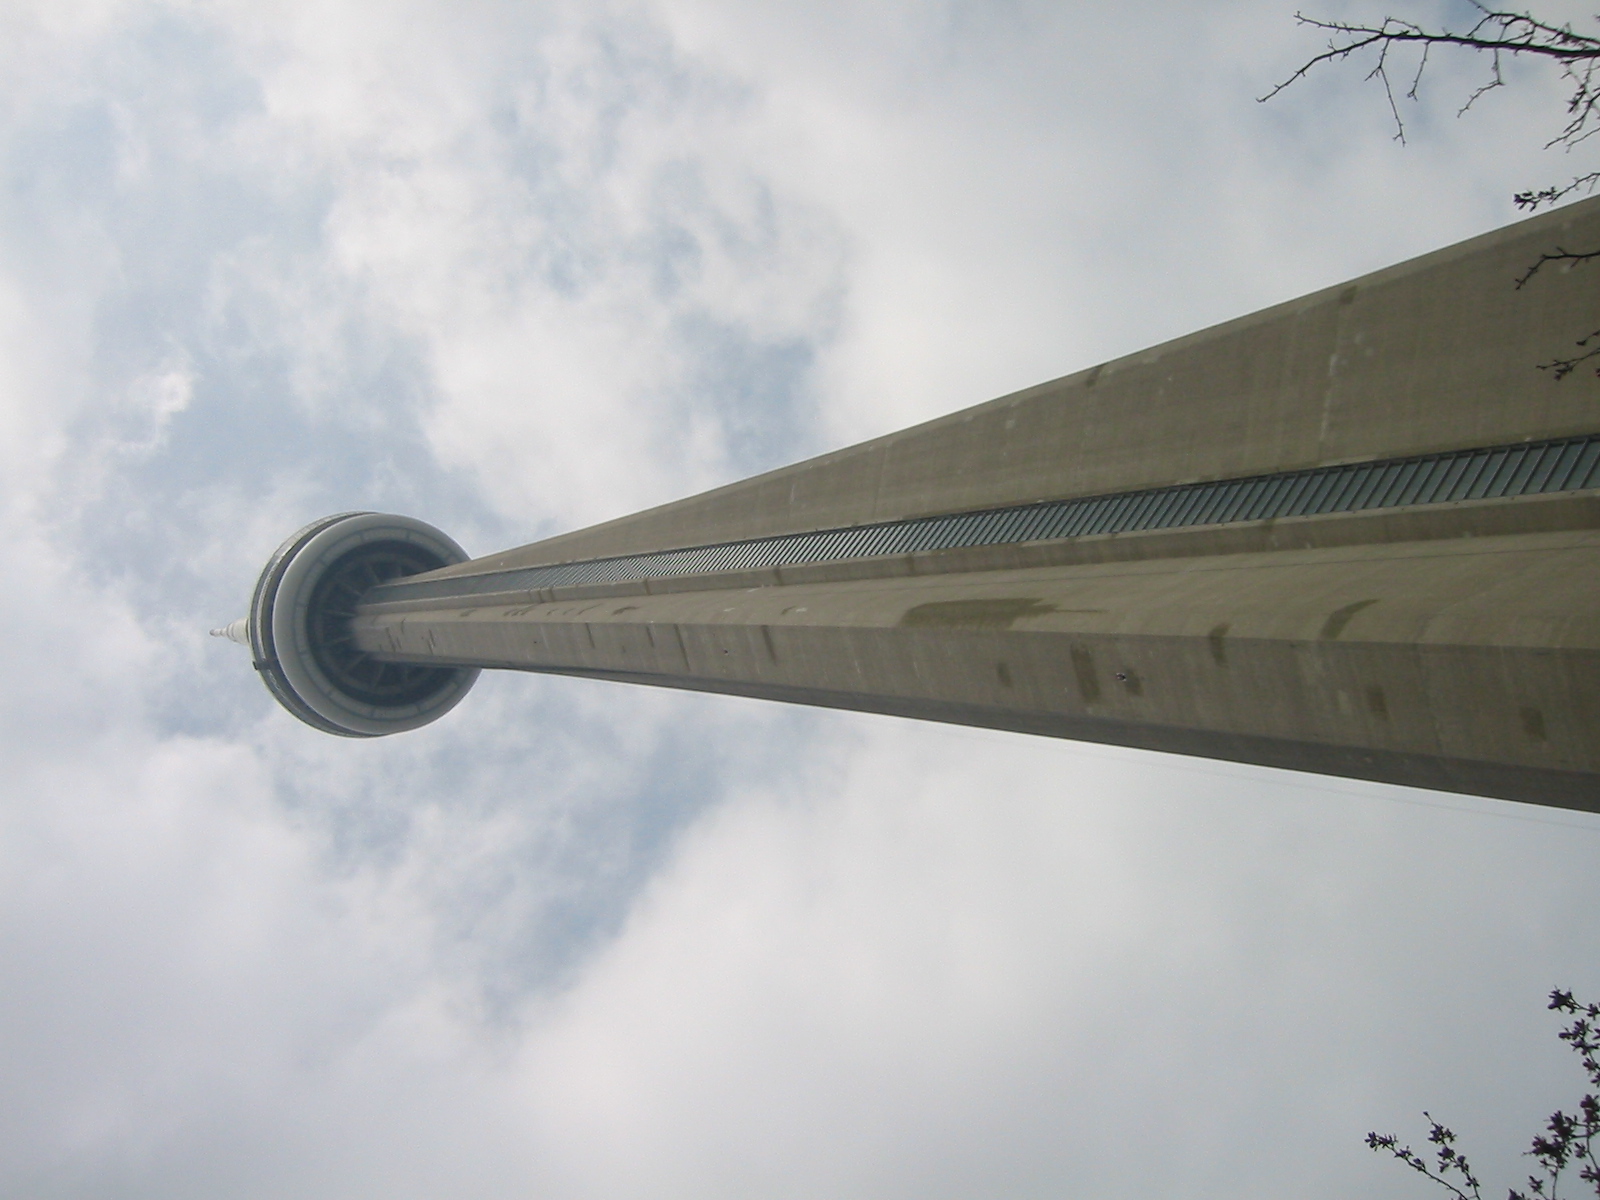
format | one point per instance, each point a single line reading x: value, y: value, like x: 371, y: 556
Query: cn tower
x: 1356, y: 534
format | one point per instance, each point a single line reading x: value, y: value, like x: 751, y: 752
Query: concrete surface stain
x: 974, y: 614
x: 1339, y: 618
x: 1083, y: 668
x: 1217, y: 639
x: 1533, y: 724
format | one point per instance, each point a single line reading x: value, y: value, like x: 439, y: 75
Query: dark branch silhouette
x: 1496, y: 33
x: 1500, y: 34
x: 1447, y: 1160
x: 1568, y: 1140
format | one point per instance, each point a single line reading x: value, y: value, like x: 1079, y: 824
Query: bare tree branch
x: 1559, y: 254
x: 1532, y: 200
x: 1568, y: 1140
x: 1448, y: 1161
x: 1498, y: 33
x: 1560, y: 368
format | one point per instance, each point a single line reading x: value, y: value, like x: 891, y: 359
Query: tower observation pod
x: 1357, y: 534
x: 300, y: 627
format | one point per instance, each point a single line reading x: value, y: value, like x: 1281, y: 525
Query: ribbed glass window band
x: 1533, y: 468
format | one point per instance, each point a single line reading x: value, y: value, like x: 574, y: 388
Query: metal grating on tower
x: 1495, y: 472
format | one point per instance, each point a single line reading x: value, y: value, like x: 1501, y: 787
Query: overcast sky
x: 514, y: 268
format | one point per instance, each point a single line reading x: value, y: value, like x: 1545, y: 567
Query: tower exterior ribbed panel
x: 1357, y: 533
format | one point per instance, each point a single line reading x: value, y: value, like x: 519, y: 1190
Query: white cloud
x: 514, y: 268
x: 1019, y: 969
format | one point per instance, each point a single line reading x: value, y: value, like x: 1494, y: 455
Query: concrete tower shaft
x: 1358, y: 533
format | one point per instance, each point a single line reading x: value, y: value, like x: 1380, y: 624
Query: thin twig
x: 1559, y: 254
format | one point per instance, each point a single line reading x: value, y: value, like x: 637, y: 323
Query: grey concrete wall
x: 1471, y: 663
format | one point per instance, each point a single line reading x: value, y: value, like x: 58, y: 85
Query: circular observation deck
x: 300, y: 626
